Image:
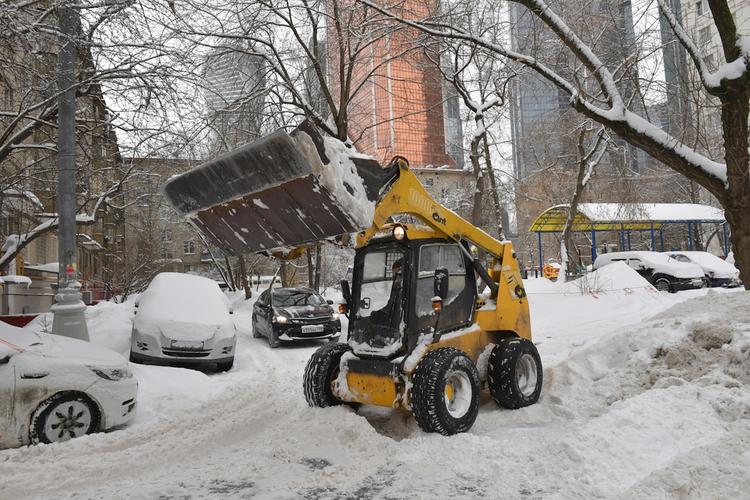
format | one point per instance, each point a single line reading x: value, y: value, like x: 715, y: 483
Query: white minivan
x: 664, y: 272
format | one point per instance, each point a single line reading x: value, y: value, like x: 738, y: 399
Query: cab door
x: 458, y: 306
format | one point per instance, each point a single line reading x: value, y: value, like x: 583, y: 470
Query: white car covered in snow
x: 183, y: 319
x: 717, y: 272
x: 56, y: 388
x: 662, y: 271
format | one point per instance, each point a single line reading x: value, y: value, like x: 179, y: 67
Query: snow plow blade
x: 280, y: 192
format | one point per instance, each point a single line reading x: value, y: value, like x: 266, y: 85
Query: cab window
x: 458, y: 305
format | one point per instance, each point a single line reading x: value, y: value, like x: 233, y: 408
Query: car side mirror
x: 4, y: 360
x: 329, y: 302
x: 231, y: 311
x: 441, y: 282
x: 346, y: 293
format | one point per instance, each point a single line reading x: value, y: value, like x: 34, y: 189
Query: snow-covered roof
x: 50, y: 267
x: 628, y: 216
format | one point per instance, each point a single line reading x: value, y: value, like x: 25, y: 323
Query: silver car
x: 183, y: 319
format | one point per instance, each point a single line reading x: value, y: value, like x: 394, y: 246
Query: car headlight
x: 112, y: 374
x: 280, y: 319
x: 335, y: 316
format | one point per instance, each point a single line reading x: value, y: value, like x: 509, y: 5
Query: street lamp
x: 69, y: 319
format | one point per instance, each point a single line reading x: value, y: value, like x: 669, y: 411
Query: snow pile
x: 644, y: 397
x: 109, y: 325
x: 339, y: 176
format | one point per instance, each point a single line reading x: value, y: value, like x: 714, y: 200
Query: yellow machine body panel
x: 366, y: 388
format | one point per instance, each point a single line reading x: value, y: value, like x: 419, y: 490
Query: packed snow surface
x: 645, y: 396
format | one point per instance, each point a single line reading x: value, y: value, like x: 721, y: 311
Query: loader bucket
x: 279, y: 192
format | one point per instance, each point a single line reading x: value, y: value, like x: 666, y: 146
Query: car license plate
x: 312, y: 328
x: 187, y: 344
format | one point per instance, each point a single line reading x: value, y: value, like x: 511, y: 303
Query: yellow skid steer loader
x: 421, y: 336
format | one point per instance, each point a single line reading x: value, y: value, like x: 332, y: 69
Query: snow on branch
x: 729, y: 71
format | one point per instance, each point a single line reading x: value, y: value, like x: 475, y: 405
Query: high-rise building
x: 403, y: 106
x: 235, y: 95
x: 539, y: 110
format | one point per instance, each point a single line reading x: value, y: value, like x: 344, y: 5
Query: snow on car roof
x: 184, y: 297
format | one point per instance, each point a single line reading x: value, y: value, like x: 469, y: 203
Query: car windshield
x: 290, y: 298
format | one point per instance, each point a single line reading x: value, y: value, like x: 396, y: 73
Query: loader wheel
x: 321, y: 370
x: 445, y: 392
x: 514, y: 373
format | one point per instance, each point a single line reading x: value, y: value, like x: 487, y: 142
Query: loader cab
x: 393, y: 285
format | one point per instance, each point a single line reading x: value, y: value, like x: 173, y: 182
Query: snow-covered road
x: 631, y: 407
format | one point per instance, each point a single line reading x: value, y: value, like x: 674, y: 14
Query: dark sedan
x: 291, y: 314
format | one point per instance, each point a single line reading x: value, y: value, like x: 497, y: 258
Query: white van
x: 663, y: 271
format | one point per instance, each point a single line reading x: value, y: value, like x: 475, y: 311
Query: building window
x: 701, y: 8
x: 166, y: 235
x: 704, y: 35
x: 188, y: 248
x: 166, y: 253
x: 429, y: 181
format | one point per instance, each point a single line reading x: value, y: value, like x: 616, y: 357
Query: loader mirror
x: 441, y: 282
x: 329, y: 302
x: 345, y: 292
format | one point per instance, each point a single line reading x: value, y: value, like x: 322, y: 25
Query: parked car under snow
x: 665, y: 273
x: 291, y: 314
x: 183, y: 319
x: 56, y: 388
x: 717, y: 272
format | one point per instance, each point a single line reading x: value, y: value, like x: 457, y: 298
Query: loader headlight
x: 399, y: 233
x: 112, y: 374
x: 282, y: 320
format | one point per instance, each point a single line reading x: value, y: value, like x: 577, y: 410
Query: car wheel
x: 445, y: 392
x: 225, y: 366
x: 321, y: 370
x: 706, y: 283
x: 273, y: 339
x: 254, y: 328
x: 514, y: 373
x: 64, y: 416
x: 663, y: 285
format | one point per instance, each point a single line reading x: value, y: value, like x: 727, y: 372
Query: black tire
x: 273, y: 339
x: 225, y: 366
x: 254, y: 328
x: 433, y: 401
x: 321, y: 370
x: 663, y: 285
x: 508, y: 373
x: 63, y: 416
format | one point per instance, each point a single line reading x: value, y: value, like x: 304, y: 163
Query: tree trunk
x: 310, y: 270
x: 476, y: 209
x: 243, y: 277
x: 501, y: 215
x: 318, y: 265
x: 230, y: 274
x: 736, y: 201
